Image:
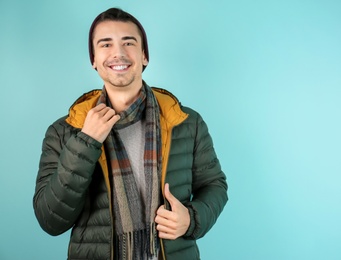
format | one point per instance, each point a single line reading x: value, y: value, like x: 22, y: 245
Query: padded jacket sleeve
x: 65, y: 171
x: 209, y: 184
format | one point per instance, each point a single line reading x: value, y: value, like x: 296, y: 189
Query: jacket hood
x: 170, y: 108
x: 81, y: 107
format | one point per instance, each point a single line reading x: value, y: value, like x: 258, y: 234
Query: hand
x: 172, y: 224
x: 99, y: 121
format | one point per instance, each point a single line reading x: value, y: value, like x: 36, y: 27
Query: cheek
x: 99, y: 60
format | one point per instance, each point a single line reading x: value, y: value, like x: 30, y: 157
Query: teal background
x: 266, y: 77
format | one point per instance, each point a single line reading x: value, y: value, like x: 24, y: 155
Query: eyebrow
x: 123, y: 38
x: 103, y: 40
x: 129, y: 38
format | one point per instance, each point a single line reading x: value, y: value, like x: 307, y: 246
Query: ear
x: 94, y: 66
x: 144, y: 60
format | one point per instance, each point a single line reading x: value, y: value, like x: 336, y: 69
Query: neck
x: 121, y: 99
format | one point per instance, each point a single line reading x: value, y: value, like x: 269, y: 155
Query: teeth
x: 120, y: 67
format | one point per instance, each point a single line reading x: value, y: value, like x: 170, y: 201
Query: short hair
x: 116, y: 14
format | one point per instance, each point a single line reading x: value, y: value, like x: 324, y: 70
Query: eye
x: 129, y: 44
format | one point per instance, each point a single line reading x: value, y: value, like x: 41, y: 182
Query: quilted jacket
x: 73, y: 188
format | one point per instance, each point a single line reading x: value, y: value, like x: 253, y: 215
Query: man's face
x: 118, y: 54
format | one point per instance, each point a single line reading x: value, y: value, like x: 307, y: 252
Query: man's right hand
x: 99, y: 121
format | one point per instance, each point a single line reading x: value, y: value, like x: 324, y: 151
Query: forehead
x: 115, y: 29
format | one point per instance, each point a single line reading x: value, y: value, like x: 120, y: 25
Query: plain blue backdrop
x: 266, y: 77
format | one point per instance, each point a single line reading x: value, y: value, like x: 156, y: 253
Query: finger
x: 98, y: 111
x: 99, y: 107
x: 104, y: 112
x: 161, y: 211
x: 165, y: 229
x: 160, y: 216
x: 166, y: 218
x: 164, y: 213
x: 113, y: 120
x: 163, y: 219
x: 166, y: 225
x: 108, y: 113
x: 169, y: 196
x: 165, y: 235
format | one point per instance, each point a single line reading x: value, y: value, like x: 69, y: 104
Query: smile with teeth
x: 119, y: 67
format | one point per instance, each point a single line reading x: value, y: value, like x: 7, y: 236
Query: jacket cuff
x: 191, y: 228
x: 89, y: 140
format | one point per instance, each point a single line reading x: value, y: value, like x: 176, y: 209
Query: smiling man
x: 129, y: 169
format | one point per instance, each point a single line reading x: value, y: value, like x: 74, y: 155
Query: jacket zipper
x: 107, y: 184
x: 163, y: 182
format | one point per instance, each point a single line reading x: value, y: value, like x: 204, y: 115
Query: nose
x: 118, y: 51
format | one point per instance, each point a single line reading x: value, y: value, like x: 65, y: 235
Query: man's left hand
x: 173, y: 223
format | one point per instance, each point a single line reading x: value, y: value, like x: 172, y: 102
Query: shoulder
x: 170, y: 103
x: 170, y: 107
x: 60, y: 131
x: 193, y: 114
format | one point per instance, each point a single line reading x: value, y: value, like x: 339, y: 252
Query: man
x: 130, y: 170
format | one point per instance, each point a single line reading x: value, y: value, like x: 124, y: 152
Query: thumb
x: 169, y: 196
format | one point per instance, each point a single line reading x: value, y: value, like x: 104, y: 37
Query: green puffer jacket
x: 73, y: 188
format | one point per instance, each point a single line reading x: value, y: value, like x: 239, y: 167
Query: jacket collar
x: 170, y: 108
